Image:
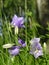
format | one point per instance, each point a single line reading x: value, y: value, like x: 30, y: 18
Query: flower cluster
x: 13, y: 49
x: 35, y: 46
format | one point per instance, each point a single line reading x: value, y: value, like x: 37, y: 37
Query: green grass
x: 33, y: 29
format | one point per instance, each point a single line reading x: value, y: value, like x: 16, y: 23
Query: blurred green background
x: 29, y: 10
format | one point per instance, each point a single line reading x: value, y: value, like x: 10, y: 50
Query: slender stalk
x: 26, y: 21
x: 20, y: 10
x: 34, y: 61
x: 16, y: 39
x: 26, y: 30
x: 45, y: 58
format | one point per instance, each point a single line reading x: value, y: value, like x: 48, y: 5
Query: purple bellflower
x: 14, y: 50
x: 17, y: 21
x: 35, y: 48
x: 22, y: 43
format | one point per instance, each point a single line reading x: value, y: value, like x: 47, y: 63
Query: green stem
x: 16, y: 39
x: 34, y: 61
x: 45, y: 58
x: 26, y: 29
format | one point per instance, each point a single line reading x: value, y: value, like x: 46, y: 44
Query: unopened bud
x: 16, y: 30
x: 12, y: 58
x: 44, y: 46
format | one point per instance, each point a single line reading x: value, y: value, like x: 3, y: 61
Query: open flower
x: 35, y: 47
x: 14, y: 50
x: 17, y: 21
x: 23, y: 44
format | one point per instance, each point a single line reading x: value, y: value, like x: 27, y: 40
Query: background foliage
x: 33, y: 29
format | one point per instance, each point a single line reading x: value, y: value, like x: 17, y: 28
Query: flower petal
x: 23, y: 44
x: 14, y: 51
x: 17, y: 21
x: 39, y: 53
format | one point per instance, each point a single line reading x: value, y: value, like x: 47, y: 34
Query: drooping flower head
x: 35, y: 47
x: 14, y: 50
x: 23, y: 44
x: 17, y: 21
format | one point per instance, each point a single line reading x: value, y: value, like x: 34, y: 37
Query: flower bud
x: 16, y: 30
x: 44, y: 46
x: 12, y: 58
x: 7, y: 45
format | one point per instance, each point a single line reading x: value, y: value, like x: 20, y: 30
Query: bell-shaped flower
x: 22, y: 43
x: 17, y: 21
x: 14, y: 50
x: 35, y: 48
